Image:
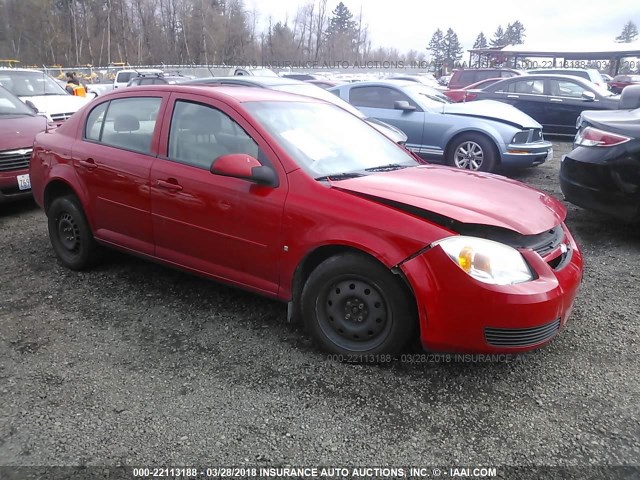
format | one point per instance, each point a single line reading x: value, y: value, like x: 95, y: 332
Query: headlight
x: 487, y: 261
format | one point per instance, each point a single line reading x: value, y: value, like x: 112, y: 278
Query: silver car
x: 473, y: 136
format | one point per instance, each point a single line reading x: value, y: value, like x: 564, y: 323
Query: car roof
x: 240, y: 94
x: 259, y: 81
x: 388, y: 82
x: 542, y: 76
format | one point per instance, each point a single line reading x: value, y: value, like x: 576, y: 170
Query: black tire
x: 354, y: 306
x: 473, y: 152
x: 70, y: 234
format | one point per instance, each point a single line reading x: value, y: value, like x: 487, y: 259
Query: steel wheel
x: 468, y: 156
x: 354, y: 306
x: 353, y: 314
x: 70, y: 235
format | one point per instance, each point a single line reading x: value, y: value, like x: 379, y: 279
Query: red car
x: 299, y: 200
x: 19, y: 126
x: 463, y: 94
x: 617, y: 84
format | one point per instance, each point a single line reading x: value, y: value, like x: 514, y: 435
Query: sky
x: 409, y: 24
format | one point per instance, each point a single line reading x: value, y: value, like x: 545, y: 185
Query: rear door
x: 378, y: 102
x: 526, y: 95
x: 225, y: 227
x: 113, y: 160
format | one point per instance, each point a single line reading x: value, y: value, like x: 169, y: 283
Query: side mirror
x: 32, y: 106
x: 589, y: 96
x: 403, y: 105
x: 241, y: 165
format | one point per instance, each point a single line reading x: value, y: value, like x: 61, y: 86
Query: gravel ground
x: 137, y: 364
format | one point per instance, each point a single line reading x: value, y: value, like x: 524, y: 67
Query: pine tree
x: 451, y: 49
x: 436, y: 45
x: 481, y: 41
x: 629, y: 33
x: 342, y: 34
x: 514, y: 35
x: 498, y: 39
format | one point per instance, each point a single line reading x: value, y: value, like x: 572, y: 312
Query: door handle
x: 89, y: 164
x: 171, y: 185
x: 555, y: 100
x: 513, y: 96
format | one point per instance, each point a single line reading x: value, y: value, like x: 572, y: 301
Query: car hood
x: 467, y: 197
x: 53, y: 104
x: 19, y: 131
x: 492, y: 110
x: 626, y: 122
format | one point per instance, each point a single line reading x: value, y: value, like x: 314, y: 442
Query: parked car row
x: 290, y: 191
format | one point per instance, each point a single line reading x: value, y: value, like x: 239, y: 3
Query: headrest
x: 126, y: 123
x: 630, y: 98
x: 203, y: 122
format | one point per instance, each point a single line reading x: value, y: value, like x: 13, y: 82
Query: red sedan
x: 617, y: 84
x: 463, y: 94
x: 19, y: 125
x: 297, y: 199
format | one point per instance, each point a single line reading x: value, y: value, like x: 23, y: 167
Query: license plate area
x: 24, y: 182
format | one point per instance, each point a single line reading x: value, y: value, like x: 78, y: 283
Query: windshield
x: 309, y: 90
x: 30, y: 84
x: 429, y: 97
x: 12, y: 105
x: 326, y: 141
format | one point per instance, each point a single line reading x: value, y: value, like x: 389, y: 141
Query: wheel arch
x: 318, y: 255
x: 492, y: 136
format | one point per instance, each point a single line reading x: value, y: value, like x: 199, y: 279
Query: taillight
x: 470, y: 96
x: 594, y: 137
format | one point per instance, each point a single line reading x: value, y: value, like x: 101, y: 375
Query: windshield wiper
x: 386, y: 168
x: 340, y: 176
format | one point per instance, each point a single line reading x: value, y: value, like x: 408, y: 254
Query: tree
x: 629, y: 33
x: 481, y: 41
x: 514, y: 35
x: 436, y: 48
x: 451, y: 49
x: 342, y: 34
x: 498, y: 39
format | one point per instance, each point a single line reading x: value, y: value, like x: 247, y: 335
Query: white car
x: 42, y: 91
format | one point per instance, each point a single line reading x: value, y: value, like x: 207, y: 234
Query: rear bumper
x: 527, y: 154
x: 610, y: 187
x: 460, y: 314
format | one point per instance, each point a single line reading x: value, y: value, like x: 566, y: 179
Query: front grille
x: 60, y: 117
x: 548, y: 240
x: 11, y: 160
x: 521, y: 337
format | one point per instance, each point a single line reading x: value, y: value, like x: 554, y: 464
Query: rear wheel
x: 472, y: 151
x: 70, y: 234
x: 352, y: 305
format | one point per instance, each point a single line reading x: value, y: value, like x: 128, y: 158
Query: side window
x: 123, y: 77
x: 200, y: 134
x: 95, y: 120
x: 377, y: 97
x: 130, y: 123
x: 146, y: 81
x: 566, y: 88
x: 467, y: 77
x: 532, y: 87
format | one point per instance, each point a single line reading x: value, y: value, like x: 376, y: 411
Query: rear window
x: 123, y: 77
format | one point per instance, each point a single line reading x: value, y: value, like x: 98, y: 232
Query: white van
x: 123, y: 76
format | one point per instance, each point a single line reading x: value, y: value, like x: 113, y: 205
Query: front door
x: 224, y: 227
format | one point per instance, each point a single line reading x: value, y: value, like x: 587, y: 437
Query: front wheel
x: 474, y: 152
x: 352, y: 305
x: 70, y: 234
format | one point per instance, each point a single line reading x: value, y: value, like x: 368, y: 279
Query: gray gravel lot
x: 137, y: 364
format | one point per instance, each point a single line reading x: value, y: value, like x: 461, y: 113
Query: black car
x: 555, y: 101
x: 602, y: 172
